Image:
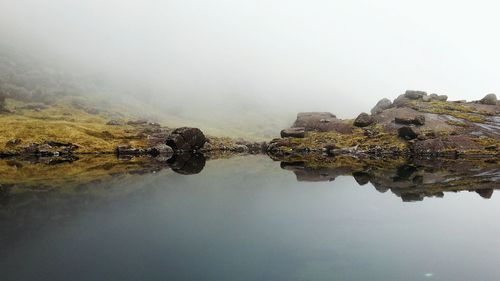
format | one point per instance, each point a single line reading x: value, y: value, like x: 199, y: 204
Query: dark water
x: 246, y: 218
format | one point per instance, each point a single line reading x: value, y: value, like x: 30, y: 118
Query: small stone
x: 363, y: 120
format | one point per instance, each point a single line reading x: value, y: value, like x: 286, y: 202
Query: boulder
x: 408, y: 132
x: 381, y: 105
x: 400, y: 101
x: 426, y: 98
x: 321, y: 122
x: 441, y: 98
x: 298, y: 132
x: 490, y: 99
x: 418, y: 120
x: 363, y: 120
x: 186, y: 139
x: 414, y: 95
x: 309, y: 119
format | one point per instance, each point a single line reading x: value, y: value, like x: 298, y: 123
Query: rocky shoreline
x: 414, y: 124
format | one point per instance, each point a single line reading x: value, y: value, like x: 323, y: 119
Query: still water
x: 245, y: 218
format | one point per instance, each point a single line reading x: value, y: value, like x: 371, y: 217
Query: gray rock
x: 363, y: 120
x: 305, y: 119
x: 418, y: 120
x: 408, y: 132
x: 381, y: 105
x: 415, y: 95
x: 490, y: 99
x: 321, y: 122
x: 426, y: 98
x: 441, y: 98
x: 298, y: 132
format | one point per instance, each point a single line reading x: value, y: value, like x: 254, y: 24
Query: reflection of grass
x: 85, y: 170
x: 64, y: 123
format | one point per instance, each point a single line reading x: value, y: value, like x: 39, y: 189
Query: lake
x: 245, y: 218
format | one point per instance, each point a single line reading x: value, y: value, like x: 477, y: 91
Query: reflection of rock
x: 412, y: 180
x: 485, y: 193
x: 187, y: 163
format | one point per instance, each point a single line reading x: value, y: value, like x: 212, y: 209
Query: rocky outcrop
x: 186, y: 139
x: 363, y: 120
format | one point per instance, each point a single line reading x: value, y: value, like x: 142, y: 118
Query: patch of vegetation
x: 63, y: 123
x: 457, y: 110
x: 360, y: 138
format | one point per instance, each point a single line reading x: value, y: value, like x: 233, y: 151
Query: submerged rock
x: 363, y: 120
x: 186, y: 139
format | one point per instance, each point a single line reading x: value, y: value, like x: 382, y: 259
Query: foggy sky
x: 282, y: 55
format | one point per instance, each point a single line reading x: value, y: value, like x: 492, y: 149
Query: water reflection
x: 411, y: 179
x: 245, y: 218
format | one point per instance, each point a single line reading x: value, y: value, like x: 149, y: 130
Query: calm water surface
x: 247, y: 219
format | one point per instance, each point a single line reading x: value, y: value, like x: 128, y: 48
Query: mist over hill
x: 246, y: 68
